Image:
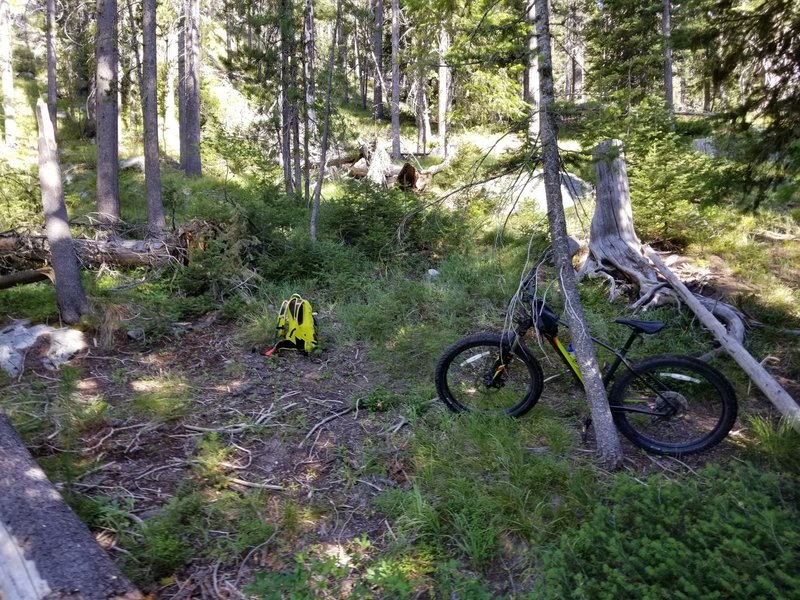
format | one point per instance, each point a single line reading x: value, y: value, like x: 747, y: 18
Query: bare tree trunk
x: 171, y: 127
x: 667, y: 32
x: 193, y: 162
x: 395, y: 109
x: 285, y: 105
x: 52, y: 84
x: 182, y: 83
x: 608, y: 446
x: 107, y: 114
x: 444, y: 87
x: 344, y: 60
x: 755, y: 370
x: 309, y: 112
x: 152, y: 169
x: 377, y: 45
x: 359, y: 69
x: 70, y: 296
x: 7, y: 75
x: 325, y: 128
x: 532, y: 92
x: 574, y: 46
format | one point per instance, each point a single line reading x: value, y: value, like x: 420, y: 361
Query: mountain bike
x: 669, y: 404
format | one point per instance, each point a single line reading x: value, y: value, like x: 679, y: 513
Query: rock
x: 530, y: 188
x: 137, y: 333
x: 136, y: 162
x: 432, y: 273
x: 20, y: 335
x: 706, y: 146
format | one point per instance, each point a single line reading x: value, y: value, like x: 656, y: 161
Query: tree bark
x: 182, y: 84
x: 574, y: 46
x: 25, y: 277
x: 152, y: 169
x: 395, y: 109
x: 377, y: 45
x: 71, y: 299
x: 325, y: 127
x: 171, y: 133
x: 7, y: 75
x: 107, y: 89
x: 608, y: 446
x: 666, y: 30
x: 613, y: 241
x: 755, y: 370
x: 283, y: 99
x: 52, y: 84
x: 309, y: 112
x: 532, y: 91
x: 444, y: 88
x: 193, y: 162
x: 30, y: 250
x: 45, y: 550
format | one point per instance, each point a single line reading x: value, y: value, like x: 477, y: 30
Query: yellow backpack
x: 296, y: 329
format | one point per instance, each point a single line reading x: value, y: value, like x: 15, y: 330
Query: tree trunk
x: 377, y: 45
x: 359, y: 69
x: 755, y: 370
x: 608, y: 446
x: 71, y: 299
x: 395, y: 112
x: 283, y: 101
x: 182, y: 84
x: 152, y: 169
x: 171, y: 133
x: 193, y: 162
x: 532, y: 92
x: 344, y: 61
x: 52, y: 84
x: 444, y: 88
x: 574, y: 46
x: 7, y: 75
x: 30, y: 250
x: 25, y: 277
x: 667, y: 32
x: 613, y: 241
x: 325, y: 128
x: 107, y: 114
x: 45, y: 550
x: 309, y: 112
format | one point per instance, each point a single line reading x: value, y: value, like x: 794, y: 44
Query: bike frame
x: 550, y: 334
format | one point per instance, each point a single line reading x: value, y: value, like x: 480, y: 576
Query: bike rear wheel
x: 684, y: 405
x: 481, y: 373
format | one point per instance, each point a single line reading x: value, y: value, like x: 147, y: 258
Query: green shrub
x: 722, y: 534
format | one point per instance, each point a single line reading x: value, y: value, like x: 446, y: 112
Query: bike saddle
x: 642, y: 326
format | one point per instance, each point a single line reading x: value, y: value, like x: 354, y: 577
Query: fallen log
x: 774, y: 392
x: 46, y: 552
x: 35, y: 249
x: 29, y: 276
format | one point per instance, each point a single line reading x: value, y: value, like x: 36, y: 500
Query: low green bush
x: 722, y: 534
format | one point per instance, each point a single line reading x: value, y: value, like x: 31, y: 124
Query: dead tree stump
x: 615, y: 249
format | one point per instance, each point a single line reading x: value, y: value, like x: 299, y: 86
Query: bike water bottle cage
x: 642, y: 326
x: 545, y: 318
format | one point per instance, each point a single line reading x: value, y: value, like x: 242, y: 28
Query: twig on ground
x: 253, y: 484
x: 324, y: 421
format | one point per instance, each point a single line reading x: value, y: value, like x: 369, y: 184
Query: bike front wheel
x: 487, y: 373
x: 673, y: 405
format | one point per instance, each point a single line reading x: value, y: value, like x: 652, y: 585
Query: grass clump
x: 723, y: 534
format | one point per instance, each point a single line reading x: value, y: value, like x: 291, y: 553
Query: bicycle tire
x: 461, y: 376
x: 700, y: 398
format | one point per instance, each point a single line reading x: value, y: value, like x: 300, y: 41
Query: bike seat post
x: 609, y: 372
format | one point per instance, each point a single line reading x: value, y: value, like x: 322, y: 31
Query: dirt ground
x: 298, y: 429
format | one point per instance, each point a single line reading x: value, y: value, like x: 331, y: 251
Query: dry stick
x: 326, y: 420
x: 779, y: 397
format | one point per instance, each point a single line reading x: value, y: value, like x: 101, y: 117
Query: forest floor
x: 315, y: 438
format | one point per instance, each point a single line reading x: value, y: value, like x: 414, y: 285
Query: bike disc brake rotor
x: 673, y: 403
